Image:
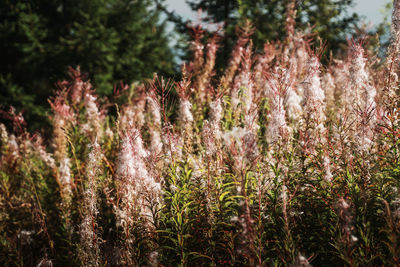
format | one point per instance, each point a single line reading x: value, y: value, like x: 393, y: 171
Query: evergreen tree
x: 112, y: 40
x: 327, y: 19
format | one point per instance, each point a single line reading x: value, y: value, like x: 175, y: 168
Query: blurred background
x: 116, y: 41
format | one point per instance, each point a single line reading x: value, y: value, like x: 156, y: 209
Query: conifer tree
x: 327, y: 19
x: 113, y: 40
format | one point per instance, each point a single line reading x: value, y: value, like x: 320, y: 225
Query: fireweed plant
x: 280, y: 161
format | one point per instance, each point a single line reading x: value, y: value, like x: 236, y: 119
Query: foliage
x: 278, y: 162
x: 113, y: 40
x: 326, y: 19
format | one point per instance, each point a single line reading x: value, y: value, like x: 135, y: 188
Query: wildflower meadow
x: 280, y: 160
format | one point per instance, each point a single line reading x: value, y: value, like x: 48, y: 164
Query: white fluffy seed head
x: 293, y: 104
x: 185, y: 112
x: 277, y: 126
x: 3, y: 134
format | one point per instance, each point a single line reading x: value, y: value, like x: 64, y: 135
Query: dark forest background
x: 118, y: 41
